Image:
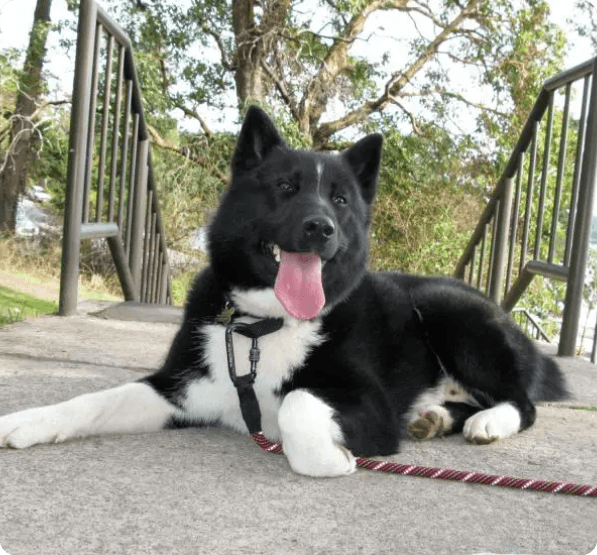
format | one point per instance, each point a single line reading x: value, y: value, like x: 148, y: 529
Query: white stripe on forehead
x: 319, y: 170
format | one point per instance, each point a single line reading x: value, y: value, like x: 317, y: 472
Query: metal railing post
x: 138, y: 219
x: 582, y: 230
x: 498, y: 262
x: 71, y: 241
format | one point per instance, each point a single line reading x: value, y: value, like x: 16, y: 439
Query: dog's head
x: 295, y: 221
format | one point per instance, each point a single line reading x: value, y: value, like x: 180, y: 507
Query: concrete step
x: 213, y: 491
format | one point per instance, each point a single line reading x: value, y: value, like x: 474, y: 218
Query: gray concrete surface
x: 213, y: 491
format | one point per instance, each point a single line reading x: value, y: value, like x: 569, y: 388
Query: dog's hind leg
x: 440, y: 420
x: 129, y: 408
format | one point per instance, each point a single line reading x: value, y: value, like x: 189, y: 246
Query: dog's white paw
x: 319, y: 461
x: 492, y: 424
x: 311, y: 438
x: 29, y: 427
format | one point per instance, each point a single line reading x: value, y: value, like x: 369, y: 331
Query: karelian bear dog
x: 351, y: 360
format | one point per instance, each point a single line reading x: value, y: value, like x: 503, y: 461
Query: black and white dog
x: 357, y: 358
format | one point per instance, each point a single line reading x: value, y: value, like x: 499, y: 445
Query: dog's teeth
x: 276, y: 252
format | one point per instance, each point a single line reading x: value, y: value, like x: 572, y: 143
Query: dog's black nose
x: 318, y: 229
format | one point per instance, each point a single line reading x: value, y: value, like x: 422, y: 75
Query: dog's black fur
x: 347, y: 374
x: 389, y: 337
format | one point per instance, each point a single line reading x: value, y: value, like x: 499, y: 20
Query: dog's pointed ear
x: 364, y: 159
x: 258, y: 136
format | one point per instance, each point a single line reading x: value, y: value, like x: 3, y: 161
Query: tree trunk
x: 24, y: 137
x: 248, y: 72
x: 254, y: 41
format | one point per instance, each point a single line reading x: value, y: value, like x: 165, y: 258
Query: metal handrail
x: 530, y: 324
x: 127, y: 214
x: 501, y: 257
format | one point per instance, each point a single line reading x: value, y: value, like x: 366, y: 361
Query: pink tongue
x: 298, y: 285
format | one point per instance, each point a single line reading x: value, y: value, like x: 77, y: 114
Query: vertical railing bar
x: 78, y: 133
x: 158, y: 284
x: 116, y: 132
x: 472, y: 269
x: 529, y: 199
x: 164, y: 284
x: 492, y: 249
x: 170, y: 298
x: 156, y: 208
x: 544, y: 175
x: 124, y: 153
x: 148, y: 258
x: 577, y: 171
x: 104, y: 130
x: 151, y: 258
x: 514, y: 222
x: 582, y: 231
x: 132, y: 182
x: 156, y: 265
x: 594, y: 347
x: 481, y: 258
x: 146, y: 244
x: 560, y: 175
x: 152, y: 255
x: 137, y: 222
x: 91, y: 131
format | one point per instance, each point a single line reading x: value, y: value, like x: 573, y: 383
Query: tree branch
x: 282, y: 89
x: 411, y: 117
x: 193, y: 114
x: 226, y: 63
x: 317, y: 90
x: 185, y: 152
x: 476, y: 105
x: 396, y: 82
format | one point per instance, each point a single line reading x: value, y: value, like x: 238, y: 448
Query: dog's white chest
x: 215, y: 399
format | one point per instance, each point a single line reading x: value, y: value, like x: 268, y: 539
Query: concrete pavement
x: 213, y: 491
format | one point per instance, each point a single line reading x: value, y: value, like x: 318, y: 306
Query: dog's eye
x: 286, y: 187
x: 339, y: 199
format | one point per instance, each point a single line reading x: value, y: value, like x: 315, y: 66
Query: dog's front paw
x: 312, y: 439
x: 319, y: 460
x: 492, y: 424
x: 30, y: 427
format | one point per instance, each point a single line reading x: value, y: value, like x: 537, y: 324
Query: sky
x: 16, y: 17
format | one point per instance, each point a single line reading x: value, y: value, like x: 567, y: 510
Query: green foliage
x: 50, y: 166
x: 189, y: 192
x: 434, y: 174
x: 424, y: 212
x: 16, y: 306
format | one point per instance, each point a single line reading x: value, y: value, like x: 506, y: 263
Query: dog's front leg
x: 129, y: 408
x: 312, y: 439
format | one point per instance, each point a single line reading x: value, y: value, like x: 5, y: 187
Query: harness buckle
x: 247, y: 379
x: 249, y: 405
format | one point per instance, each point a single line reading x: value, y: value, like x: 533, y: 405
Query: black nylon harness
x: 249, y: 406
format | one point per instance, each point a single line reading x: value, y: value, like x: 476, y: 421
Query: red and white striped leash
x: 252, y: 416
x: 454, y: 475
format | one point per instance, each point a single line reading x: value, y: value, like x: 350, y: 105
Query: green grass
x: 16, y: 306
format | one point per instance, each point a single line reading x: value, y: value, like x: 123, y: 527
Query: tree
x: 303, y: 61
x: 451, y: 104
x: 22, y: 131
